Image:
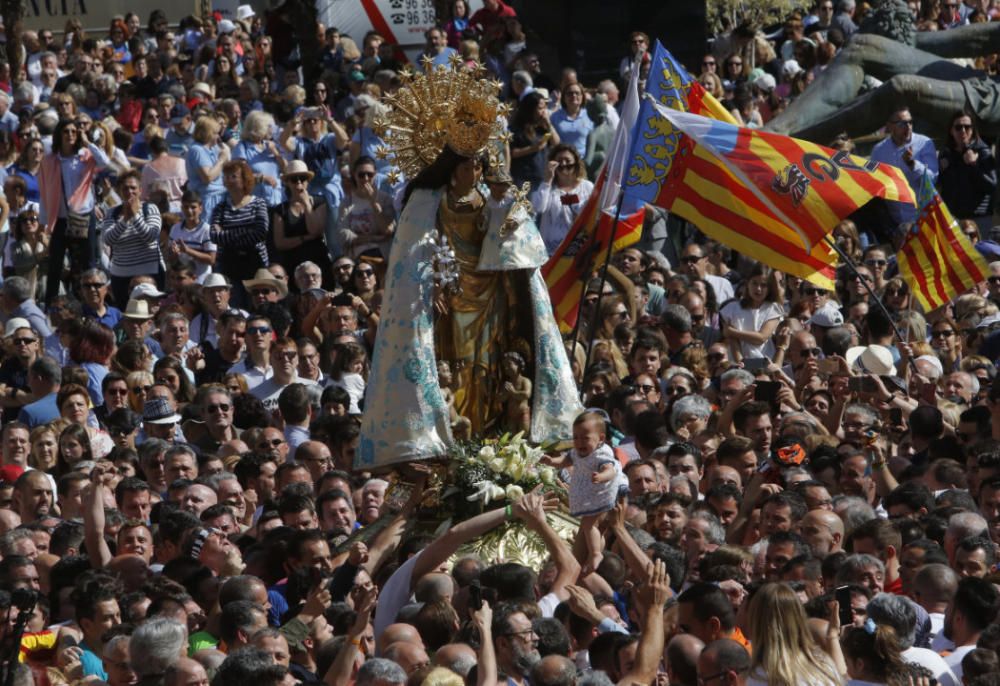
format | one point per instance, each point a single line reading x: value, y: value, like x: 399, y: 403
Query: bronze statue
x: 919, y: 76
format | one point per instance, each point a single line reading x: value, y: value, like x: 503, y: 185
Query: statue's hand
x: 441, y: 305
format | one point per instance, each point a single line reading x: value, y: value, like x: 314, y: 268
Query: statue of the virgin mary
x: 462, y: 286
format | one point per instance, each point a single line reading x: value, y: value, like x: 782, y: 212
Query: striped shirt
x: 134, y: 242
x: 239, y: 227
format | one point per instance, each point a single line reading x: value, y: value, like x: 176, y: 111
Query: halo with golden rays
x: 452, y: 106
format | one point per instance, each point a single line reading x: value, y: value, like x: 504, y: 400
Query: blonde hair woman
x: 608, y: 351
x: 138, y: 384
x: 712, y: 84
x: 205, y: 160
x: 263, y: 156
x: 784, y: 652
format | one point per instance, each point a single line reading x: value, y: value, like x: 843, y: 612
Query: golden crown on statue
x: 453, y: 106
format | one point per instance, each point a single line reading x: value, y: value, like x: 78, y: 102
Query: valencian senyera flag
x: 771, y: 197
x: 936, y: 259
x: 583, y: 249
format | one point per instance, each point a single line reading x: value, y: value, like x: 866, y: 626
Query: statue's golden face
x: 468, y: 173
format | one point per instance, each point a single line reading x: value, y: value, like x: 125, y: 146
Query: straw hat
x: 266, y: 278
x: 297, y: 168
x: 137, y: 309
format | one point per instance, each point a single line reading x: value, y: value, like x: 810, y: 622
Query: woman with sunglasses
x: 139, y: 384
x: 28, y: 166
x: 299, y: 225
x: 368, y: 221
x: 68, y: 212
x: 947, y: 343
x: 968, y: 175
x: 364, y: 282
x: 561, y: 195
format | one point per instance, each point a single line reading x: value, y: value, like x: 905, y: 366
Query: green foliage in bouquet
x: 485, y: 473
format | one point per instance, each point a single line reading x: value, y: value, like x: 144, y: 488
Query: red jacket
x: 485, y: 19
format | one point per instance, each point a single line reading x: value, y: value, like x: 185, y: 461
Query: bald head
x: 233, y: 447
x: 458, y: 657
x: 720, y: 474
x: 554, y: 670
x: 9, y: 520
x: 434, y: 586
x: 682, y: 658
x: 935, y: 585
x: 723, y: 655
x: 399, y: 633
x: 823, y: 530
x: 185, y: 671
x: 407, y: 655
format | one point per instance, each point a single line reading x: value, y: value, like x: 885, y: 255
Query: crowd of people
x: 198, y: 232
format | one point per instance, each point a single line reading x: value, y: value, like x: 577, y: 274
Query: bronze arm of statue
x: 932, y: 87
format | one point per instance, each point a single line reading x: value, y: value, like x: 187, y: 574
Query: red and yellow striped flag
x: 769, y: 196
x: 936, y: 259
x: 583, y: 251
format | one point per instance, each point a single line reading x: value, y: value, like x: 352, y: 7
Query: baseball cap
x: 178, y: 112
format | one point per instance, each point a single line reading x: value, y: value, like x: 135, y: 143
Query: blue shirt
x: 91, y: 663
x: 110, y: 318
x: 39, y: 412
x: 32, y: 195
x: 30, y: 311
x: 321, y: 157
x: 179, y: 145
x: 573, y: 131
x: 262, y: 162
x: 199, y: 157
x: 95, y: 378
x: 924, y: 159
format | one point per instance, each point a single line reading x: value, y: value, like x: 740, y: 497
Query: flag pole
x: 604, y: 280
x: 864, y: 282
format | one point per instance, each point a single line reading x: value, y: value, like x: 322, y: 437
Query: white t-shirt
x: 269, y: 390
x: 954, y: 660
x: 354, y: 384
x: 197, y: 238
x: 933, y: 662
x: 746, y: 319
x: 722, y: 286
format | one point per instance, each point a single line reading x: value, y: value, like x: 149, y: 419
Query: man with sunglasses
x: 217, y: 415
x: 912, y: 152
x: 694, y: 264
x: 23, y: 348
x: 284, y: 362
x: 255, y: 367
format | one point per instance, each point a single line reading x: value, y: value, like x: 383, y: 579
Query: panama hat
x: 266, y: 278
x: 297, y: 168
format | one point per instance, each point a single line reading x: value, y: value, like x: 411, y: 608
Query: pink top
x: 165, y: 173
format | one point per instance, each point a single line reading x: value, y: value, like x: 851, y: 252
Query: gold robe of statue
x: 482, y: 321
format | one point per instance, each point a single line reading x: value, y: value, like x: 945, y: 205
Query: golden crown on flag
x: 450, y: 106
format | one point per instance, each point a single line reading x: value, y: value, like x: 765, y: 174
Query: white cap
x: 15, y: 324
x: 146, y: 290
x: 244, y: 12
x: 226, y: 26
x: 871, y: 359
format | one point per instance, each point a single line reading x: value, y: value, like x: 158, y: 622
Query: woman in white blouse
x: 561, y: 196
